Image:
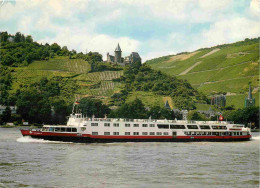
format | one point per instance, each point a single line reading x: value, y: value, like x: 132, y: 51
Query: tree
x: 194, y: 115
x: 4, y: 36
x: 6, y: 117
x: 133, y: 110
x: 89, y: 107
x: 29, y: 38
x: 246, y: 115
x: 7, y: 60
x: 61, y: 110
x: 55, y: 47
x: 32, y: 106
x: 17, y: 37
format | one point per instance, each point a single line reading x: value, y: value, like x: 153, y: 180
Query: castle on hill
x: 118, y: 59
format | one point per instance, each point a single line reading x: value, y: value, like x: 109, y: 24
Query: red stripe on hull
x: 119, y: 137
x: 40, y: 133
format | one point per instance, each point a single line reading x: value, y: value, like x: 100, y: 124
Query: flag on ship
x: 221, y: 118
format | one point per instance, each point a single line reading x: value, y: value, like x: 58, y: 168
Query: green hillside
x: 80, y: 81
x: 220, y: 69
x: 75, y: 71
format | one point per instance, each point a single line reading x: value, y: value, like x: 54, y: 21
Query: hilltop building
x: 208, y: 113
x: 219, y: 100
x: 249, y: 101
x: 118, y: 59
x: 3, y: 108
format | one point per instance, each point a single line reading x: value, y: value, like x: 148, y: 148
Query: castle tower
x: 118, y: 54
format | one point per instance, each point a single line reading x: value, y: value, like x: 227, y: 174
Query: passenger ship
x: 83, y: 129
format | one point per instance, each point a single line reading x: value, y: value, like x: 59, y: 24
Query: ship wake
x: 256, y: 137
x: 28, y: 139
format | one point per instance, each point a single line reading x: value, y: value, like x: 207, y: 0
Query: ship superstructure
x: 86, y: 129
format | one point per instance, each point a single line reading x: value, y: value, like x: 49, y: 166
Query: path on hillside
x: 166, y: 67
x: 221, y: 68
x: 211, y: 52
x: 199, y: 62
x: 191, y: 67
x: 217, y: 81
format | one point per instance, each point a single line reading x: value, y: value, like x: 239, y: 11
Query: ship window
x: 199, y: 133
x: 68, y: 130
x: 214, y: 133
x: 62, y: 129
x: 204, y: 127
x: 116, y: 124
x: 209, y: 133
x: 115, y: 133
x: 94, y: 124
x: 163, y: 126
x: 145, y: 133
x: 127, y: 125
x: 174, y: 133
x: 152, y: 125
x: 145, y: 125
x: 57, y: 129
x: 51, y: 129
x: 218, y: 127
x: 204, y: 133
x: 106, y: 133
x: 165, y: 133
x: 136, y: 133
x: 192, y: 126
x: 152, y: 133
x: 177, y: 127
x: 74, y: 130
x: 136, y: 125
x: 158, y: 133
x: 240, y: 133
x: 107, y: 125
x: 94, y: 133
x: 127, y: 133
x: 193, y: 133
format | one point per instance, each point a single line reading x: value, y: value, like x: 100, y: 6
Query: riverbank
x: 19, y: 126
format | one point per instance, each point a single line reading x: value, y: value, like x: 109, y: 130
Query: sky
x: 153, y: 28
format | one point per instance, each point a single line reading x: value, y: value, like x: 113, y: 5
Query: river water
x: 27, y: 162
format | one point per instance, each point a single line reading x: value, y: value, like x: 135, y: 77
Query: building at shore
x: 119, y: 60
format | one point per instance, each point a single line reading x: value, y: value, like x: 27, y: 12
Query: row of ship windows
x: 166, y: 126
x: 134, y: 133
x: 59, y: 129
x: 126, y: 125
x: 216, y: 133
